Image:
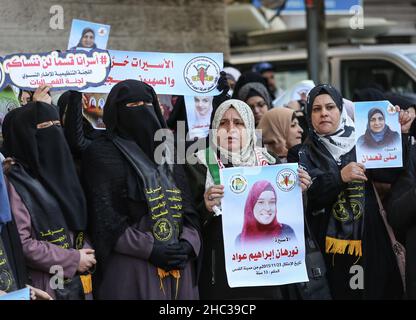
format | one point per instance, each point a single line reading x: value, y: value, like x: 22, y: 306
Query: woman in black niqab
x: 45, y: 155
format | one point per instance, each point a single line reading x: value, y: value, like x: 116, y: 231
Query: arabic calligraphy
x: 266, y: 255
x: 378, y: 157
x: 72, y: 69
x: 142, y: 64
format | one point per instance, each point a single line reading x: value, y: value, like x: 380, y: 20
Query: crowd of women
x: 89, y: 214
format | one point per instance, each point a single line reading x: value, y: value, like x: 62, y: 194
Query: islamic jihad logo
x: 162, y: 230
x: 340, y: 211
x: 5, y: 280
x: 201, y: 74
x: 286, y: 180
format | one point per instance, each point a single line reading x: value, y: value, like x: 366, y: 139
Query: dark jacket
x: 379, y: 283
x: 402, y: 217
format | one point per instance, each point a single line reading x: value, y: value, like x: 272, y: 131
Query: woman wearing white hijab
x: 232, y: 144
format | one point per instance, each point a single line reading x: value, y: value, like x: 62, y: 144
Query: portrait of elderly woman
x: 378, y: 134
x: 87, y: 39
x: 260, y: 217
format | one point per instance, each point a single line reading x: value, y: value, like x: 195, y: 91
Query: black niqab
x: 138, y: 123
x: 45, y: 154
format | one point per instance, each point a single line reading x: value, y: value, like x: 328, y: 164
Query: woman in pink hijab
x: 260, y: 216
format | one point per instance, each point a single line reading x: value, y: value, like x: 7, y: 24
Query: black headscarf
x: 323, y: 89
x: 248, y: 77
x: 62, y: 104
x: 373, y: 111
x: 136, y: 123
x: 45, y: 155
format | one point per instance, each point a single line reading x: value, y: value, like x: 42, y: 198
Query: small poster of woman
x: 88, y: 35
x: 262, y: 217
x: 378, y: 138
x: 198, y: 113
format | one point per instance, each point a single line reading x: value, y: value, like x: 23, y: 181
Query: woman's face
x: 25, y: 98
x: 231, y: 131
x: 265, y: 208
x: 258, y: 106
x: 295, y: 134
x: 203, y: 105
x: 377, y: 122
x: 325, y: 115
x: 87, y: 40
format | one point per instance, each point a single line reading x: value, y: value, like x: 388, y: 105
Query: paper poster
x: 23, y: 294
x: 262, y: 216
x: 71, y: 70
x: 198, y: 113
x: 93, y: 109
x: 378, y: 135
x: 2, y: 75
x: 8, y: 102
x: 88, y: 35
x: 168, y: 73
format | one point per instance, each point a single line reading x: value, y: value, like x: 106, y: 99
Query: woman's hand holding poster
x: 262, y: 215
x: 378, y: 135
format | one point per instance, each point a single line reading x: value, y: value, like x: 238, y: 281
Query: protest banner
x: 378, y: 135
x: 71, y: 70
x: 88, y: 35
x: 3, y: 82
x: 198, y: 113
x: 262, y: 217
x: 168, y: 73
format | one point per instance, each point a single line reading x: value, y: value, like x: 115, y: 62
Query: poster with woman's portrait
x: 378, y: 135
x: 93, y: 109
x: 198, y: 113
x: 262, y: 216
x: 88, y: 35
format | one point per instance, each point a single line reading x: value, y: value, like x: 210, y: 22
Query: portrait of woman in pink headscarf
x: 260, y: 217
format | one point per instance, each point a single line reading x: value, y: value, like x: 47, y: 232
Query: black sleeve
x: 401, y: 211
x: 104, y: 180
x: 73, y: 124
x: 326, y: 185
x: 191, y: 217
x: 178, y: 114
x: 196, y: 175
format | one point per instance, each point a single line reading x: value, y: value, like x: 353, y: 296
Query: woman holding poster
x: 342, y: 208
x: 232, y: 144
